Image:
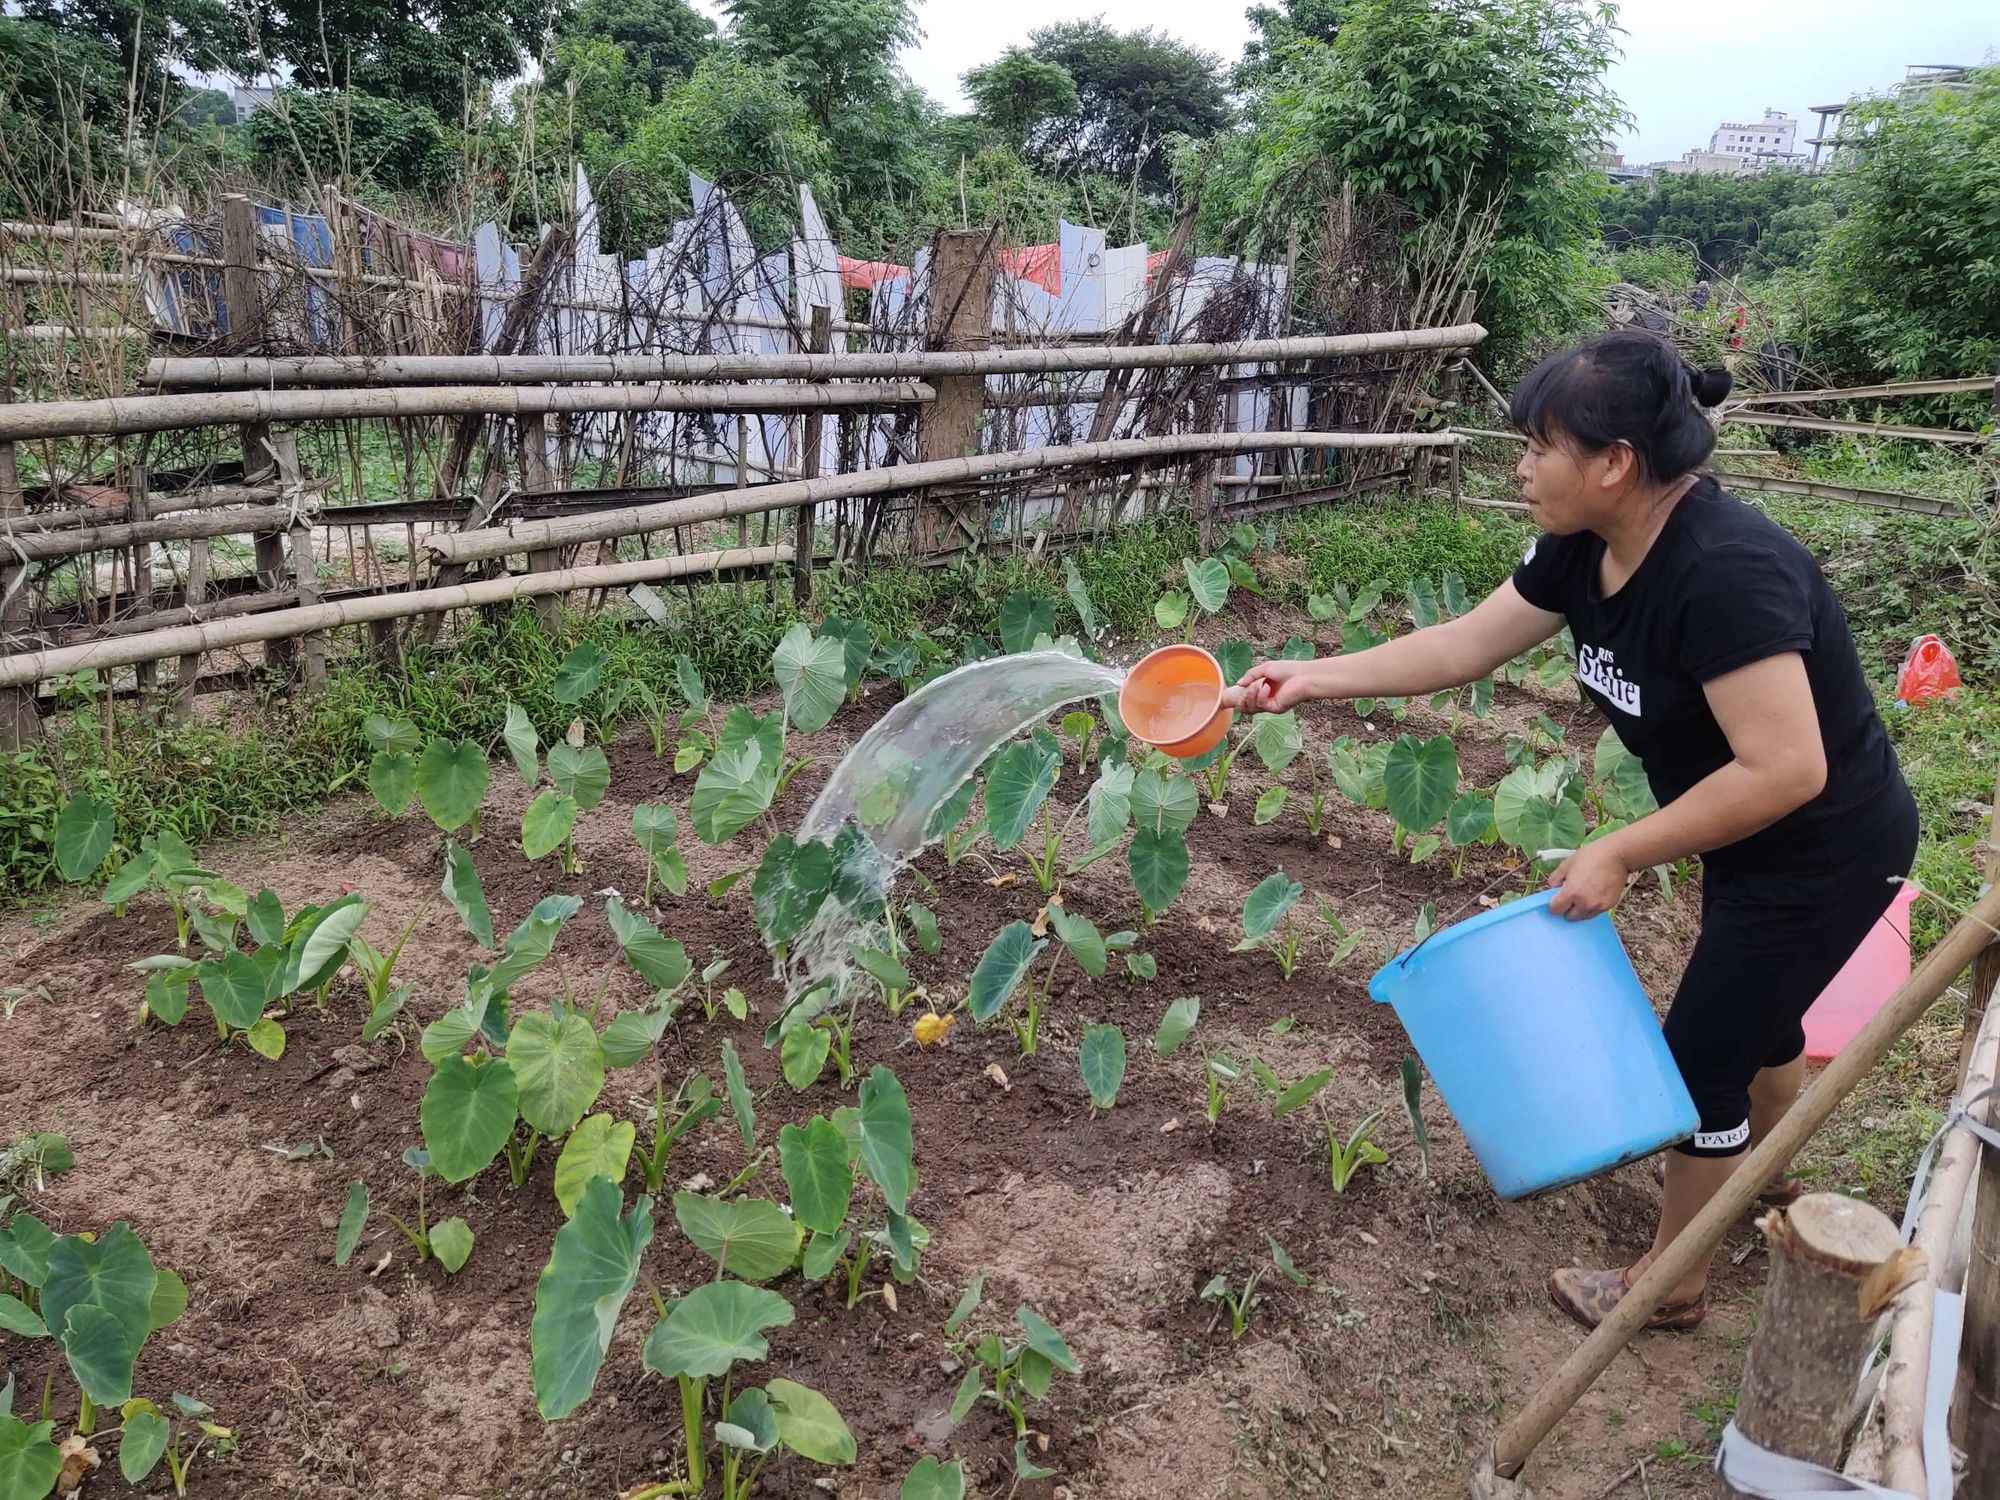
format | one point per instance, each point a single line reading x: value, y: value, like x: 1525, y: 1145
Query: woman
x: 1709, y: 638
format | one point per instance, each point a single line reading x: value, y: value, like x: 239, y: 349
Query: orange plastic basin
x: 1173, y: 701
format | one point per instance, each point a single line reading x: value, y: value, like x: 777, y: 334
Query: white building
x: 1764, y: 142
x: 248, y: 99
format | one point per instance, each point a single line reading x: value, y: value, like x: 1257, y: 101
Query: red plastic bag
x: 1929, y: 671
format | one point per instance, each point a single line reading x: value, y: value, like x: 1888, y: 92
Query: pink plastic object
x: 1929, y: 671
x: 1876, y: 971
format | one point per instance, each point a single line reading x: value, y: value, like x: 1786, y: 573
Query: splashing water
x: 891, y: 784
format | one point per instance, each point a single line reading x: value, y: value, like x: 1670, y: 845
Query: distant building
x: 1918, y: 78
x: 1767, y: 139
x: 248, y: 99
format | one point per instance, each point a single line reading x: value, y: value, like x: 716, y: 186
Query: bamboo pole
x: 1962, y: 385
x: 531, y: 369
x: 34, y: 666
x: 1976, y: 1410
x: 1899, y: 1410
x: 209, y: 498
x: 35, y: 546
x: 1858, y: 429
x: 460, y: 547
x: 1835, y: 1263
x: 1985, y: 968
x: 811, y: 441
x: 123, y: 415
x: 1517, y: 1440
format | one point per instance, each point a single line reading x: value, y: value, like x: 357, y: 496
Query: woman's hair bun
x: 1709, y: 386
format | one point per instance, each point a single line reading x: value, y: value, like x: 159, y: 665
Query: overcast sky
x: 1688, y: 64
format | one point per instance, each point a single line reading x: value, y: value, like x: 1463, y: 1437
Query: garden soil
x: 1423, y: 1319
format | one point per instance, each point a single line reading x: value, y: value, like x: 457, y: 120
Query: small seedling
x: 1345, y: 1158
x: 692, y: 1103
x: 1267, y: 920
x: 1003, y: 1371
x: 1223, y: 1073
x: 148, y: 1435
x: 1242, y: 1300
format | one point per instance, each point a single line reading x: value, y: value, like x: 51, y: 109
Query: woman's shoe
x: 1589, y: 1296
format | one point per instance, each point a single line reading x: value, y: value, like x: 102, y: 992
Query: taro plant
x: 1468, y: 822
x: 1346, y: 1157
x: 1163, y: 805
x: 451, y: 781
x: 748, y: 770
x: 693, y: 1102
x: 1358, y: 771
x: 1027, y: 616
x: 1102, y: 1063
x: 164, y: 863
x: 658, y: 829
x: 1222, y: 1074
x: 702, y: 1338
x: 392, y: 770
x: 1242, y: 1298
x: 1420, y: 782
x: 1017, y: 788
x: 99, y: 1297
x: 592, y: 1268
x: 449, y: 1242
x: 1007, y: 1372
x: 148, y: 1434
x: 1267, y: 920
x: 1536, y: 809
x: 856, y: 1166
x: 85, y: 827
x: 696, y: 741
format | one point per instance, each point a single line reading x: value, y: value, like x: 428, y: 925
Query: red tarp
x: 1041, y: 264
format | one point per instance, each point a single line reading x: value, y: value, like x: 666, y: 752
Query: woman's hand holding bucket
x: 1271, y: 687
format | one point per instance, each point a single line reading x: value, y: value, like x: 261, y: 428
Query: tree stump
x: 1835, y: 1262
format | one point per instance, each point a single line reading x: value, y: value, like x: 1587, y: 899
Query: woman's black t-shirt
x: 1722, y: 586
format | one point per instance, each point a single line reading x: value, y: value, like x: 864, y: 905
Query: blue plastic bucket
x: 1543, y: 1044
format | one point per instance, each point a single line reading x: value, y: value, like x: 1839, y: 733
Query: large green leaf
x: 1159, y: 866
x: 97, y: 1301
x: 1102, y: 1061
x: 1022, y: 776
x: 1277, y: 740
x: 1358, y: 772
x: 1170, y: 610
x: 1001, y: 968
x: 1079, y: 598
x: 17, y: 1317
x: 1163, y: 802
x: 1109, y: 807
x: 1080, y: 936
x: 791, y: 883
x: 580, y: 771
x: 451, y: 781
x: 451, y: 1243
x: 657, y: 827
x: 1470, y: 818
x: 83, y: 835
x: 353, y: 1219
x: 1235, y: 658
x: 1176, y: 1024
x: 518, y: 733
x: 1025, y: 615
x: 1268, y: 902
x: 661, y: 961
x: 812, y: 675
x: 599, y: 1147
x: 389, y: 734
x: 1208, y: 582
x: 886, y: 1140
x: 549, y: 820
x: 235, y: 988
x: 1421, y: 779
x: 732, y: 790
x: 1532, y: 811
x: 803, y: 1054
x: 558, y: 1069
x: 633, y: 1034
x: 857, y: 644
x: 30, y: 1462
x: 814, y: 1161
x: 808, y: 1423
x: 25, y: 1243
x: 581, y: 671
x: 1045, y: 1341
x: 929, y: 1479
x: 323, y: 949
x: 590, y: 1273
x: 141, y: 1443
x: 462, y: 888
x: 531, y: 942
x: 713, y: 1327
x: 392, y: 780
x: 748, y: 1237
x: 467, y: 1114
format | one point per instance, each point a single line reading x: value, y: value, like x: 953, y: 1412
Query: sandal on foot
x: 1589, y: 1297
x: 1782, y: 1193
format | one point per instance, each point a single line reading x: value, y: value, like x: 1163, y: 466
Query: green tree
x: 436, y: 53
x: 309, y: 137
x: 1281, y: 28
x: 1723, y: 221
x: 152, y: 38
x: 1907, y: 283
x: 664, y: 40
x: 205, y: 107
x: 1135, y: 90
x: 62, y: 114
x: 1017, y: 91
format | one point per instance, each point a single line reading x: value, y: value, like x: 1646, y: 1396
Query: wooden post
x: 243, y: 306
x: 1976, y: 1407
x: 1835, y: 1262
x: 960, y: 316
x: 535, y: 476
x: 142, y: 566
x: 743, y: 480
x: 20, y: 721
x: 815, y: 428
x: 188, y: 674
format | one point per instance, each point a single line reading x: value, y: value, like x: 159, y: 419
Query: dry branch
x: 527, y: 535
x: 524, y: 369
x: 34, y: 666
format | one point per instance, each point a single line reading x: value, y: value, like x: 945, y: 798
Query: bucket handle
x: 1477, y: 896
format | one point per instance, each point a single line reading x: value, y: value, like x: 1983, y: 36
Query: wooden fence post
x: 1835, y: 1262
x: 960, y: 316
x: 535, y: 475
x: 243, y: 306
x: 20, y: 721
x: 802, y: 539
